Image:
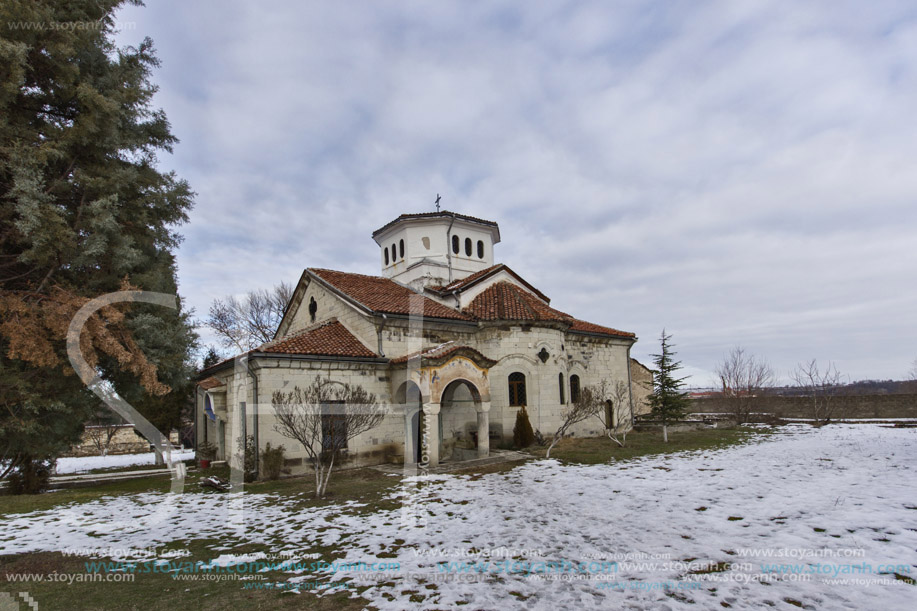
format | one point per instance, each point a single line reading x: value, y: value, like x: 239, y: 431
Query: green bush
x: 272, y: 460
x: 250, y: 464
x: 523, y: 436
x: 31, y: 477
x: 206, y: 451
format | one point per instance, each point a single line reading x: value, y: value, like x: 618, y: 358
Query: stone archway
x: 435, y: 372
x: 409, y: 398
x: 459, y: 374
x: 459, y: 422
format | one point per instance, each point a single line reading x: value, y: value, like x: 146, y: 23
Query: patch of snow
x: 81, y: 464
x: 802, y: 498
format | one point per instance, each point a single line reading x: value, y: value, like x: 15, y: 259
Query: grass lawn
x: 375, y: 489
x: 595, y: 450
x: 158, y: 590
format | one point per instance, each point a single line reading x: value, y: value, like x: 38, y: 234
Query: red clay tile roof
x: 587, y: 327
x: 329, y: 339
x: 459, y: 285
x: 384, y: 295
x: 506, y: 301
x: 445, y: 350
x: 209, y: 383
x: 423, y: 215
x: 436, y: 351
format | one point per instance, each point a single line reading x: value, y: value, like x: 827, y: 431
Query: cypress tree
x: 523, y: 435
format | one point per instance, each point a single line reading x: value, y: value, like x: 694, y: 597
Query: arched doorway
x: 459, y: 420
x: 410, y: 399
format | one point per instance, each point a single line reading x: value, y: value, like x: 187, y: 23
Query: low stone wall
x: 853, y: 406
x: 125, y: 441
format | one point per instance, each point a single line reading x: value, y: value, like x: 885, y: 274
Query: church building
x: 449, y: 341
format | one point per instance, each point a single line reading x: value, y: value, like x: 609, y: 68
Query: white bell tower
x: 435, y: 248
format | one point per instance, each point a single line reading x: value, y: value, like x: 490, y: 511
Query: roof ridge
x: 524, y: 302
x: 337, y: 271
x: 440, y: 213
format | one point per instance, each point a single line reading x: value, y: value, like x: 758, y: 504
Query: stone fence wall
x: 125, y: 441
x: 846, y: 406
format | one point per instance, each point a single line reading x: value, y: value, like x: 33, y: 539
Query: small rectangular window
x: 334, y: 426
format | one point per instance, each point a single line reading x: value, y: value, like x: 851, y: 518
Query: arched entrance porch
x: 457, y: 380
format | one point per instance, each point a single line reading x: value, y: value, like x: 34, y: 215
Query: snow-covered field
x: 82, y: 464
x: 713, y: 529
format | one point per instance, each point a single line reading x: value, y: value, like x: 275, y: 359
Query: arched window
x: 610, y: 415
x: 480, y: 249
x: 455, y: 244
x: 385, y: 250
x: 560, y: 385
x: 574, y: 388
x: 467, y: 247
x: 393, y: 253
x: 517, y: 388
x: 401, y: 248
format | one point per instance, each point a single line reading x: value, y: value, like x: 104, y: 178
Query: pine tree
x: 668, y: 403
x: 211, y: 358
x: 83, y: 212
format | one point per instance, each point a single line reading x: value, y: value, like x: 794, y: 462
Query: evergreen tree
x: 667, y: 401
x: 83, y: 212
x: 211, y: 358
x: 523, y: 435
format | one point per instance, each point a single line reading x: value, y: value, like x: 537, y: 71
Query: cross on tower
x: 437, y: 202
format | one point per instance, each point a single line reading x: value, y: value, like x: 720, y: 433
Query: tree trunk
x: 327, y: 477
x: 316, y: 467
x: 551, y: 447
x: 615, y: 439
x: 665, y: 433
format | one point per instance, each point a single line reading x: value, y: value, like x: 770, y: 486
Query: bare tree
x: 323, y: 417
x: 743, y: 377
x: 582, y: 409
x: 820, y: 387
x: 246, y: 323
x: 912, y: 377
x: 612, y: 407
x: 102, y: 429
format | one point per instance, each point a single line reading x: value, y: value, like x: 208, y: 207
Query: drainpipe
x: 449, y: 246
x: 379, y: 335
x: 248, y: 367
x: 198, y: 410
x: 630, y: 391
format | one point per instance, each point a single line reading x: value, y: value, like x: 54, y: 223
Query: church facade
x: 451, y: 343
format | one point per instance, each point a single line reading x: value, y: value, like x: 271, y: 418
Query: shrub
x: 31, y: 477
x: 249, y: 463
x: 272, y: 460
x: 206, y: 451
x: 523, y: 436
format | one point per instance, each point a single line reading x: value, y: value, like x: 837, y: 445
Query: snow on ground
x: 81, y: 464
x: 838, y: 501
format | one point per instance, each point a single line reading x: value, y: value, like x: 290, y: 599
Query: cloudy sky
x: 740, y: 173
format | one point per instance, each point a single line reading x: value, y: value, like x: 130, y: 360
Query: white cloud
x: 737, y: 172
